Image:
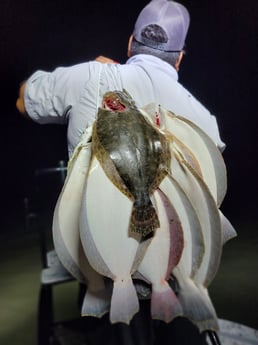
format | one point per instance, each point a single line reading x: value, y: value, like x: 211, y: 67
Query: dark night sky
x: 220, y: 69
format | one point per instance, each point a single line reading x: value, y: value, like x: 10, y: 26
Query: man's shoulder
x: 79, y: 67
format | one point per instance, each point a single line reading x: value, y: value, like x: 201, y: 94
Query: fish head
x: 118, y: 101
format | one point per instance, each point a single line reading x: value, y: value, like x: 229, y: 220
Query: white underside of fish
x: 105, y: 216
x: 193, y: 251
x: 194, y: 305
x: 207, y: 212
x: 91, y: 223
x: 160, y: 259
x: 200, y: 144
x: 67, y: 237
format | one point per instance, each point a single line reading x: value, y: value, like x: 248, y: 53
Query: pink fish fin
x: 195, y: 306
x: 124, y: 301
x: 165, y: 305
x: 176, y: 233
x: 96, y: 303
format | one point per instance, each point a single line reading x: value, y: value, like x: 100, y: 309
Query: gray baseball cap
x: 171, y: 16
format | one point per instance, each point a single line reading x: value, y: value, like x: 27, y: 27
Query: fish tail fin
x: 196, y: 307
x: 165, y: 305
x: 124, y: 301
x: 144, y: 219
x: 96, y: 303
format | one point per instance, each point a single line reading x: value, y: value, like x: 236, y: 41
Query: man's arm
x: 104, y: 59
x: 20, y: 100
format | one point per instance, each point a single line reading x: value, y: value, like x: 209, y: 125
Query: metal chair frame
x: 214, y: 338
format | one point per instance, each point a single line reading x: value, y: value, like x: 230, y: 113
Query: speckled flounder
x: 133, y: 154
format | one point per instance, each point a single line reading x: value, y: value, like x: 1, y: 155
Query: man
x: 73, y: 94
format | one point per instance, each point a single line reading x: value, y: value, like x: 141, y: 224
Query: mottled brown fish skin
x: 135, y: 157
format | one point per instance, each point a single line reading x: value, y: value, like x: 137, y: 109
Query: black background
x: 220, y: 69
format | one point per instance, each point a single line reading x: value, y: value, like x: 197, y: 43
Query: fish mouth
x: 113, y: 103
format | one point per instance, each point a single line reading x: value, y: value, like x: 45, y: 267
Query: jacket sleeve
x: 49, y: 96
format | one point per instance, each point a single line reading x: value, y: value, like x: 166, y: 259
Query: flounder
x: 134, y: 155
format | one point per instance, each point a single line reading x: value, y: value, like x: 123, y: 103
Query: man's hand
x: 20, y: 100
x: 104, y: 59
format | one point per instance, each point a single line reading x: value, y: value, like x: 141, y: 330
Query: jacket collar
x: 154, y: 62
